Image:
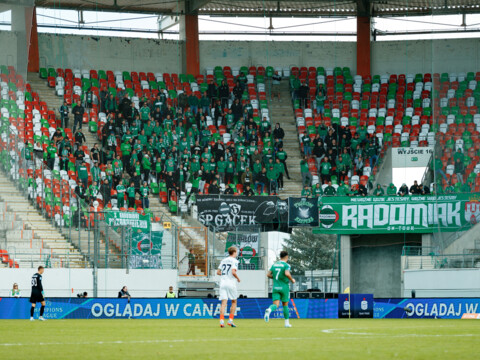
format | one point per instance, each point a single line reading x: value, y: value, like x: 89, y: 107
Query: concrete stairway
x: 282, y: 112
x: 33, y: 240
x: 54, y: 102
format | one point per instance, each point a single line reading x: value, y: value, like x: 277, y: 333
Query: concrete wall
x: 467, y: 240
x: 141, y: 283
x: 442, y: 283
x: 70, y: 282
x: 449, y: 55
x: 373, y: 252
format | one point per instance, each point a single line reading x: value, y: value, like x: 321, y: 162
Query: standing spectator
x: 280, y: 169
x: 64, y: 114
x: 261, y: 180
x: 83, y: 174
x: 278, y: 132
x: 306, y: 176
x: 224, y: 94
x: 212, y: 92
x: 191, y: 262
x: 303, y: 93
x: 459, y: 169
x: 320, y: 99
x: 78, y: 112
x: 79, y: 136
x: 307, y: 150
x: 276, y: 79
x: 325, y: 168
x: 144, y: 190
x: 131, y: 195
x: 425, y: 189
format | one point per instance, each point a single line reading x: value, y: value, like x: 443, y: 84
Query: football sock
x: 286, y: 313
x: 273, y: 307
x: 42, y: 309
x: 221, y: 317
x: 230, y: 318
x: 32, y: 310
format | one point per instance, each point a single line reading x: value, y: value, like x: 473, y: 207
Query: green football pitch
x: 252, y: 339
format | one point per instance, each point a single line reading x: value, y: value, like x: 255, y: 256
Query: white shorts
x: 228, y: 291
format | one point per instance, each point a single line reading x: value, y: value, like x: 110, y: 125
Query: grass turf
x: 252, y: 339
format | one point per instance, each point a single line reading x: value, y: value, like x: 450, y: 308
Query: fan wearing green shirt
x: 325, y: 168
x: 131, y: 195
x: 83, y: 174
x: 378, y: 191
x: 93, y: 191
x: 144, y: 190
x: 221, y: 168
x: 306, y: 192
x: 120, y: 195
x: 391, y: 190
x: 317, y: 191
x: 145, y: 112
x: 272, y: 177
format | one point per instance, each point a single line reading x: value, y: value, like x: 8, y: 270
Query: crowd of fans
x: 212, y: 143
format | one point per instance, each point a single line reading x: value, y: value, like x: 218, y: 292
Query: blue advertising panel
x: 439, y: 308
x: 110, y: 308
x: 355, y: 306
x: 104, y: 308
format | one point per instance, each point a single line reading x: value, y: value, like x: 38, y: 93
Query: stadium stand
x: 185, y: 120
x: 359, y: 118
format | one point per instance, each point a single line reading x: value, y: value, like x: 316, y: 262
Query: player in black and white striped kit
x: 37, y: 293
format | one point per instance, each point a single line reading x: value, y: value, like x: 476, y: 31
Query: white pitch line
x: 154, y: 341
x: 347, y: 332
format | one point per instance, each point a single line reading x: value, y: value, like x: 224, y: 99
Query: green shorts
x: 282, y: 295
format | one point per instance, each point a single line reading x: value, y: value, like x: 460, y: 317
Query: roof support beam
x: 364, y: 37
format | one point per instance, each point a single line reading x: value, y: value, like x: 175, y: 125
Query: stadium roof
x: 274, y: 8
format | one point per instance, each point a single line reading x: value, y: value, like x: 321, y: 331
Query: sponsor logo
x: 328, y: 216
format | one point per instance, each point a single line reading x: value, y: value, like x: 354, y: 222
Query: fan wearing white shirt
x: 228, y: 284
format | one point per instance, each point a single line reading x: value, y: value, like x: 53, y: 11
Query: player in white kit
x: 228, y: 284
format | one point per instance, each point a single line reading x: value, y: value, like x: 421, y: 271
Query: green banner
x: 395, y: 214
x: 146, y: 250
x: 247, y: 244
x: 124, y: 218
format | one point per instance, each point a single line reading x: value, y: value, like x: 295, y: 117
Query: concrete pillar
x: 23, y: 19
x: 427, y: 244
x: 363, y: 45
x: 345, y: 262
x: 190, y: 44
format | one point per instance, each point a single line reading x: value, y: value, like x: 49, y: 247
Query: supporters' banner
x: 425, y: 308
x: 395, y: 214
x: 124, y: 218
x: 227, y: 212
x: 247, y: 244
x: 411, y: 156
x: 302, y: 212
x: 146, y: 249
x: 108, y: 308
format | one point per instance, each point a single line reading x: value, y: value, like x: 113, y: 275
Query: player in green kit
x: 280, y: 273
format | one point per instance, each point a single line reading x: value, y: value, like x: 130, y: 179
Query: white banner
x: 411, y: 157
